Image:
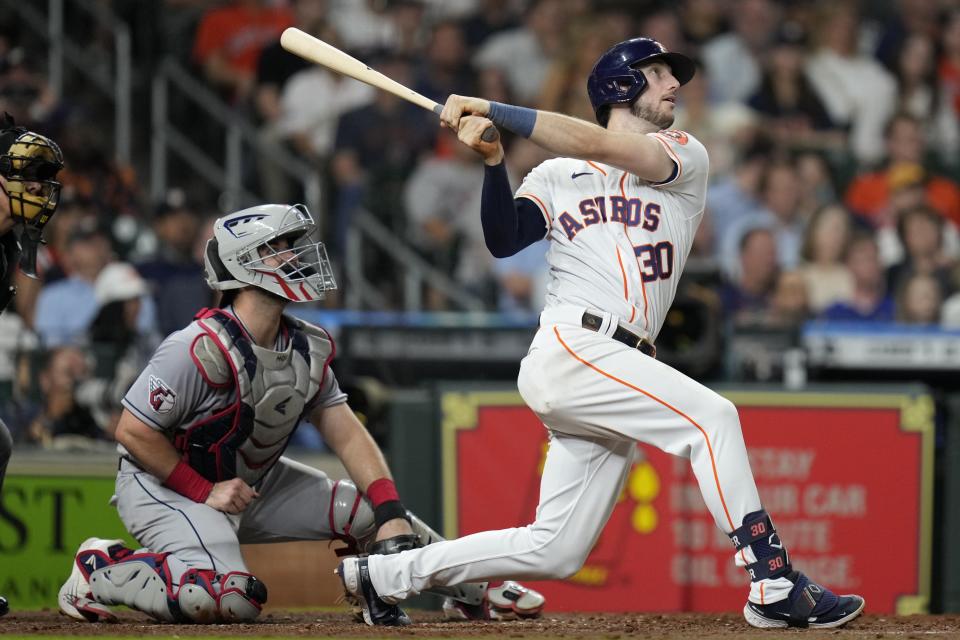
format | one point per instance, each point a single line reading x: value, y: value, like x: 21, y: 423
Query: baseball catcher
x: 29, y: 163
x: 201, y: 442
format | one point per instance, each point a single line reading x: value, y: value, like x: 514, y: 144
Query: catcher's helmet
x: 240, y: 253
x: 29, y: 163
x: 615, y: 78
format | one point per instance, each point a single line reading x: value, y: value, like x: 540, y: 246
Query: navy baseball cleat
x: 807, y: 605
x: 4, y: 606
x: 355, y: 576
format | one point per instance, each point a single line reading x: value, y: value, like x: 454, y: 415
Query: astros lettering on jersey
x: 619, y: 243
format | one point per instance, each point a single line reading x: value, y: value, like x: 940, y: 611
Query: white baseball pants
x: 597, y: 397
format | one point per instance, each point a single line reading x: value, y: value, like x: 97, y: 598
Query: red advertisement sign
x: 846, y: 478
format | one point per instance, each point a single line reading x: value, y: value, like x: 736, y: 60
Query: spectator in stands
x: 816, y: 182
x: 120, y: 350
x: 920, y: 230
x: 732, y: 59
x: 276, y: 65
x: 369, y: 172
x: 737, y: 196
x: 445, y: 67
x: 919, y: 300
x: 490, y: 17
x: 521, y: 280
x: 790, y: 303
x: 856, y: 90
x: 93, y: 176
x: 312, y: 102
x: 746, y: 299
x: 439, y: 199
x: 174, y: 275
x: 66, y: 307
x: 789, y: 108
x: 948, y: 72
x: 525, y: 54
x: 780, y: 212
x: 701, y: 21
x: 869, y: 300
x: 24, y: 93
x: 903, y: 20
x: 724, y: 129
x: 562, y: 90
x: 60, y: 415
x: 229, y: 41
x: 870, y: 194
x: 365, y: 25
x: 920, y: 95
x: 663, y: 25
x: 826, y: 276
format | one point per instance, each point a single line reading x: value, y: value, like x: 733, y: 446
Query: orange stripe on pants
x: 713, y: 462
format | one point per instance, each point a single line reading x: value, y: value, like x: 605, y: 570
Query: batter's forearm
x: 567, y: 136
x: 631, y: 151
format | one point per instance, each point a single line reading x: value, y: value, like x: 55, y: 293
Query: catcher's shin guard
x: 75, y: 599
x: 202, y: 597
x: 241, y: 598
x: 141, y: 581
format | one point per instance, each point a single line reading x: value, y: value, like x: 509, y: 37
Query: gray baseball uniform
x: 171, y: 396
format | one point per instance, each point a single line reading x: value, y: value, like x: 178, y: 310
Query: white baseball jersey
x: 619, y: 243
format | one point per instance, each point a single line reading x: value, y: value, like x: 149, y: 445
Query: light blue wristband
x: 520, y: 120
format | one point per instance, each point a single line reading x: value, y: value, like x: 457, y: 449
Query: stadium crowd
x: 833, y: 128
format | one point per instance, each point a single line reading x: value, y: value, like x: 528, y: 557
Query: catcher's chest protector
x: 272, y: 388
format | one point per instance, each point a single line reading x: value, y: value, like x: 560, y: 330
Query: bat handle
x: 490, y: 134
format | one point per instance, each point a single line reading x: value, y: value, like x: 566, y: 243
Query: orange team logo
x: 679, y: 136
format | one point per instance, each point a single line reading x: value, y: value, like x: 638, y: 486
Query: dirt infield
x: 430, y: 624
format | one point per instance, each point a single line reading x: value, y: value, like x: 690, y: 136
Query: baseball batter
x: 620, y: 211
x: 202, y: 438
x: 29, y: 164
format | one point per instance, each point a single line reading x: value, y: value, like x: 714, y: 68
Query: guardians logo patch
x: 160, y: 395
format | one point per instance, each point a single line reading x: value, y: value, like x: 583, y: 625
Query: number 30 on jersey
x: 656, y: 260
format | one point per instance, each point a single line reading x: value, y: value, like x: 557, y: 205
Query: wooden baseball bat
x: 319, y: 52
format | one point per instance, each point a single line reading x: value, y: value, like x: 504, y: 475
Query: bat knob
x: 490, y: 134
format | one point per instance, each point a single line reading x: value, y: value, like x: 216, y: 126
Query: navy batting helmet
x: 616, y: 80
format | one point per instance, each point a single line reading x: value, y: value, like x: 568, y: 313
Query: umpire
x: 29, y: 164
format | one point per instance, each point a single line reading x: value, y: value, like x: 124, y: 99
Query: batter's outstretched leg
x: 352, y: 517
x: 501, y: 600
x: 6, y: 447
x: 577, y: 470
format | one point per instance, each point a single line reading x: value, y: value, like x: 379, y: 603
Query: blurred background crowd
x: 833, y: 128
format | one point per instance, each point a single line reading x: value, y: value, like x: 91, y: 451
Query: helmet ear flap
x: 213, y: 257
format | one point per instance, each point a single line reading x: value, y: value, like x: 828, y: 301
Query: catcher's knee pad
x: 141, y: 581
x: 241, y: 598
x: 351, y: 517
x: 196, y: 599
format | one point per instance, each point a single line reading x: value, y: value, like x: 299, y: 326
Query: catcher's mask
x: 269, y: 247
x: 29, y: 163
